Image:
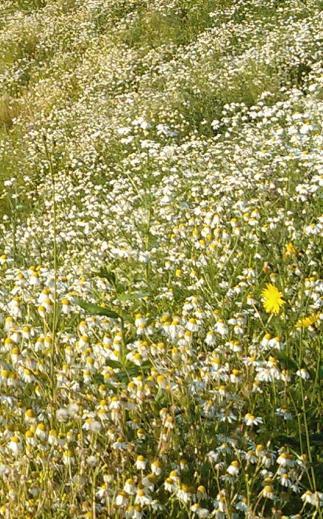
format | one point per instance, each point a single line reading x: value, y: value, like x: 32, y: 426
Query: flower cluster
x: 160, y: 290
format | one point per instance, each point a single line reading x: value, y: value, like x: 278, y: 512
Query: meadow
x: 160, y: 259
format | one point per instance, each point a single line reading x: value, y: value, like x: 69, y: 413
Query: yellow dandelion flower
x: 272, y: 299
x: 306, y: 322
x: 290, y: 250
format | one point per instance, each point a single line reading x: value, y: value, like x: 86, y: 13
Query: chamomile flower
x: 268, y: 492
x: 312, y: 498
x: 156, y: 467
x: 140, y: 463
x: 197, y: 509
x: 251, y: 420
x: 15, y: 445
x: 234, y: 468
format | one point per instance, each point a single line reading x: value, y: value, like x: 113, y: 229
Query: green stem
x: 307, y: 436
x: 55, y: 268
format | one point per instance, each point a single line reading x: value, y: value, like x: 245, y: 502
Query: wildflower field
x: 160, y: 259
